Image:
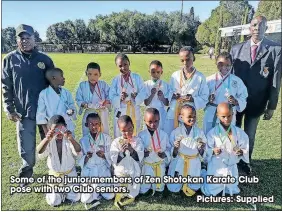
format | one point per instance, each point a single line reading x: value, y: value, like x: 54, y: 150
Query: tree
x: 270, y: 9
x: 37, y: 37
x: 8, y: 39
x: 60, y: 33
x: 218, y: 36
x: 192, y: 14
x: 79, y: 32
x: 232, y: 14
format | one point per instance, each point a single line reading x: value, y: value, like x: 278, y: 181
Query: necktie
x: 254, y: 52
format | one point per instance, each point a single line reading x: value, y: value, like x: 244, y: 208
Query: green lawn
x: 266, y: 156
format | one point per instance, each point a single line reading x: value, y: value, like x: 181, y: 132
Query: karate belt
x: 99, y: 113
x: 130, y: 111
x: 119, y: 196
x: 188, y: 191
x: 59, y: 174
x: 157, y: 170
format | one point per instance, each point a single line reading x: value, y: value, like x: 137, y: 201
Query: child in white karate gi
x: 93, y: 96
x: 227, y: 144
x: 188, y: 150
x: 187, y: 86
x: 157, y: 150
x: 96, y: 161
x: 127, y: 152
x: 61, y: 149
x: 157, y: 91
x: 56, y: 100
x: 224, y: 87
x: 126, y: 94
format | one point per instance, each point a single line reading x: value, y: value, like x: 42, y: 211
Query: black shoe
x: 245, y: 167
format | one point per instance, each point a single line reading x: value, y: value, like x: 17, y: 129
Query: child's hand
x: 232, y: 100
x: 133, y: 95
x: 216, y: 151
x: 129, y: 147
x: 190, y: 98
x: 68, y: 134
x: 50, y: 134
x: 124, y: 147
x: 84, y: 105
x: 101, y: 154
x: 146, y: 153
x: 177, y: 96
x: 70, y: 112
x: 162, y: 155
x: 89, y: 154
x: 211, y: 98
x: 153, y: 91
x: 123, y: 96
x: 201, y: 145
x: 177, y: 144
x: 160, y: 94
x: 239, y: 152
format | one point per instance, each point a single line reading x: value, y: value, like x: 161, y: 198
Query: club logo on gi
x: 41, y: 65
x: 234, y: 83
x: 265, y: 72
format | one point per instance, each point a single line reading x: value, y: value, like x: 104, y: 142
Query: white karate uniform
x: 188, y: 146
x: 66, y: 166
x: 128, y: 166
x: 83, y: 94
x: 232, y: 85
x: 50, y: 103
x: 96, y: 166
x: 197, y: 87
x: 115, y: 94
x: 226, y: 162
x: 161, y: 143
x: 156, y: 103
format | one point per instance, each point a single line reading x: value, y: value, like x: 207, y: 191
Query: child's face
x: 186, y: 59
x: 58, y: 80
x: 155, y: 71
x: 94, y: 125
x: 223, y: 65
x: 123, y: 65
x: 93, y: 75
x: 188, y: 116
x: 126, y: 129
x: 225, y: 116
x: 59, y: 129
x: 152, y: 121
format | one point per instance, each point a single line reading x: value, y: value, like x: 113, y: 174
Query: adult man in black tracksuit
x: 258, y: 63
x: 23, y: 78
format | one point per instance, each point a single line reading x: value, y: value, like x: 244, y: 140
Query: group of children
x: 171, y: 143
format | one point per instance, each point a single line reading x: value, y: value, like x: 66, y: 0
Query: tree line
x: 150, y: 32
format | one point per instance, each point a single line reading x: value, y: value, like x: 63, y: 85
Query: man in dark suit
x: 258, y: 63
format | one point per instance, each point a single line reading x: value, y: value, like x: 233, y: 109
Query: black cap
x: 24, y: 28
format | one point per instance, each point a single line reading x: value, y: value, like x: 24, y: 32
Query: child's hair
x: 153, y: 111
x: 188, y: 49
x: 229, y: 106
x: 123, y: 57
x: 156, y: 62
x: 52, y: 72
x: 93, y: 116
x: 186, y: 106
x: 125, y: 119
x: 56, y: 119
x: 224, y: 55
x: 93, y: 65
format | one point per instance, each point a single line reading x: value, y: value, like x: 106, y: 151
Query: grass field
x: 266, y: 156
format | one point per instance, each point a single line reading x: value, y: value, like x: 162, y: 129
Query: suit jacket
x: 262, y: 77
